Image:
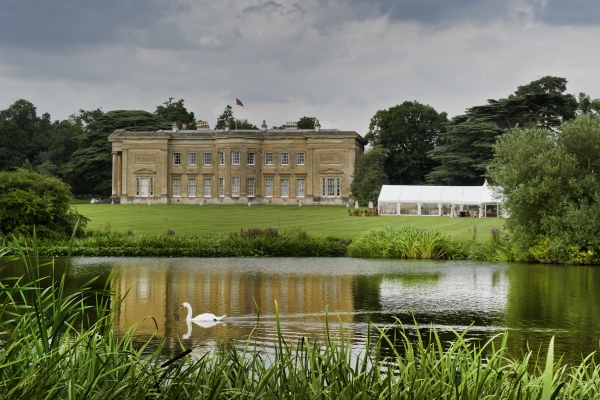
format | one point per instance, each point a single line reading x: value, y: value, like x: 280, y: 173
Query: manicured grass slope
x: 212, y: 220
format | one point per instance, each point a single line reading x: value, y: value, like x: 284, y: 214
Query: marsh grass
x: 498, y: 248
x: 49, y: 350
x: 248, y: 243
x: 404, y: 242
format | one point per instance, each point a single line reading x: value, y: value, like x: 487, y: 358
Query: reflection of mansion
x: 203, y: 166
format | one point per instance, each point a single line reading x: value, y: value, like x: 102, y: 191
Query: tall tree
x: 466, y: 147
x: 175, y: 111
x: 227, y: 115
x: 588, y: 106
x: 369, y: 176
x: 29, y: 134
x: 90, y: 169
x: 14, y: 145
x: 407, y: 132
x: 551, y: 185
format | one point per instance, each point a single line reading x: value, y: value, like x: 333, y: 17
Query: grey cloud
x: 271, y: 7
x: 572, y: 12
x: 433, y: 11
x: 63, y: 24
x: 268, y: 7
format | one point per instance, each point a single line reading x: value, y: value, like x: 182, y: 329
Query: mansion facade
x: 262, y: 166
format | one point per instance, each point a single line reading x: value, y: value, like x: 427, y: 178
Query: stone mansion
x: 262, y: 166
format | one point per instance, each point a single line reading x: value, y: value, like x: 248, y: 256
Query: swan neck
x: 189, y: 309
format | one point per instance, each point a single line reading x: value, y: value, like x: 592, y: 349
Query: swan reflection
x: 203, y: 324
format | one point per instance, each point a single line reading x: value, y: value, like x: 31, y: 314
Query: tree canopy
x: 306, y: 123
x: 551, y: 184
x: 466, y: 146
x: 227, y: 115
x: 407, y: 132
x: 171, y: 111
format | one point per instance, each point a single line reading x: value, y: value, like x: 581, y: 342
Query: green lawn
x: 211, y: 220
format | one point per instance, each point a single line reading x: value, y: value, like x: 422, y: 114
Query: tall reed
x: 404, y: 242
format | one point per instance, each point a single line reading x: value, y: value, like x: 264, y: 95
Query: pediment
x: 331, y: 171
x: 146, y: 171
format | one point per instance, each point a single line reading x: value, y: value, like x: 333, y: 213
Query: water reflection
x: 532, y: 302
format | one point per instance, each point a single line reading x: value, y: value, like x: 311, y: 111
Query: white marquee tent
x: 453, y: 201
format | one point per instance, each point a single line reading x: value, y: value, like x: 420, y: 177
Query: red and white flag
x: 238, y: 102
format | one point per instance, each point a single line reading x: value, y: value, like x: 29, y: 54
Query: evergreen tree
x: 227, y: 115
x: 90, y: 169
x: 466, y: 147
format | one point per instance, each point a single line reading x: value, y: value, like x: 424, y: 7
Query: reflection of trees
x: 77, y: 279
x: 563, y: 301
x: 366, y: 296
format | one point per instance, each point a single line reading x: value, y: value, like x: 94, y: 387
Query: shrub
x: 29, y: 200
x: 403, y: 242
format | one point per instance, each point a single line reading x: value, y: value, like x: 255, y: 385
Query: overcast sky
x: 337, y: 60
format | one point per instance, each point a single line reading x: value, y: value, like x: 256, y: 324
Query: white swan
x: 200, y: 317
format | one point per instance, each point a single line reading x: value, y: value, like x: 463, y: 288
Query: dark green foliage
x: 249, y: 243
x: 227, y: 115
x: 466, y: 148
x: 407, y: 132
x: 306, y: 123
x: 551, y: 184
x: 465, y: 153
x: 14, y: 145
x: 369, y: 176
x: 586, y: 105
x: 130, y: 120
x: 29, y: 200
x: 171, y: 111
x: 242, y: 124
x: 90, y: 169
x: 22, y: 134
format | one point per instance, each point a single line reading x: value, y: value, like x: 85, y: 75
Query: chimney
x: 263, y: 127
x: 202, y: 125
x: 227, y: 125
x: 184, y: 126
x: 291, y: 125
x: 174, y: 126
x: 317, y: 126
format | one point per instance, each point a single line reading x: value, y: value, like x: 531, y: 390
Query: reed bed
x: 246, y: 243
x: 404, y: 242
x: 50, y: 350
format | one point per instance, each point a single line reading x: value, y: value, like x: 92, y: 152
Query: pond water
x: 532, y: 302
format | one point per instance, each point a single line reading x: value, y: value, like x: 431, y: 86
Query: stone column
x: 227, y: 188
x: 119, y: 174
x: 114, y: 174
x: 308, y: 186
x: 243, y: 172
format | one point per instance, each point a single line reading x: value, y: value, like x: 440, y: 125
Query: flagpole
x: 235, y: 114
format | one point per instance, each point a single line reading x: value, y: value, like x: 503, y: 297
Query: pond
x: 532, y: 302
